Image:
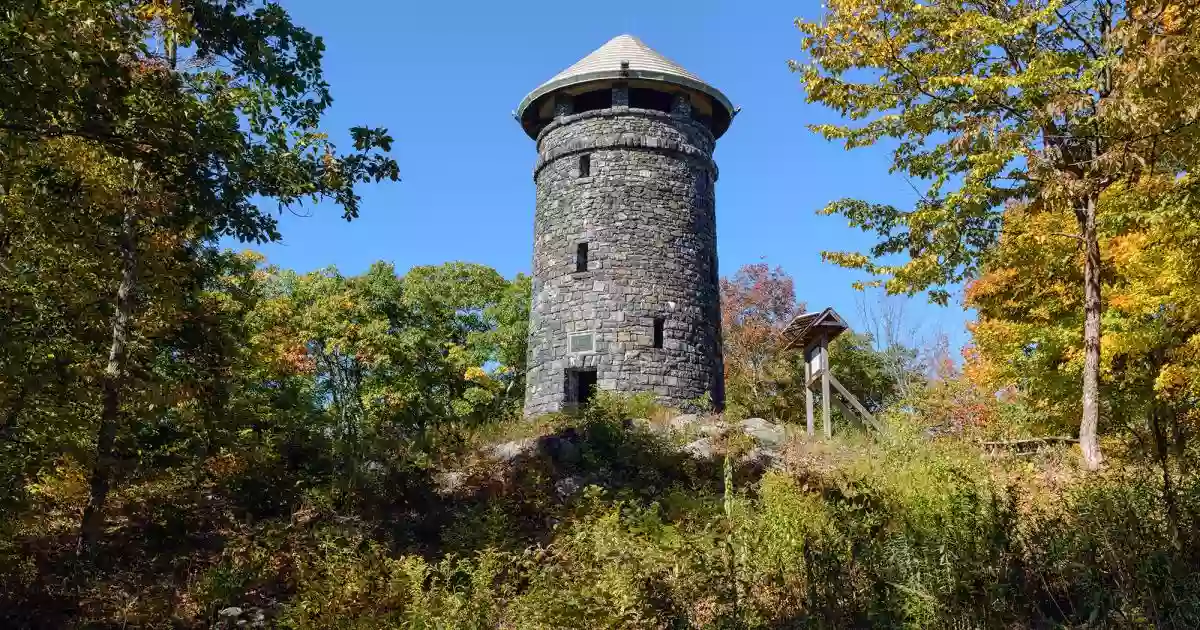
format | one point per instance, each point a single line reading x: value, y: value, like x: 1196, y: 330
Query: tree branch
x: 1070, y: 27
x: 77, y: 133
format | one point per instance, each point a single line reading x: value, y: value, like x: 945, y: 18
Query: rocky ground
x: 757, y: 443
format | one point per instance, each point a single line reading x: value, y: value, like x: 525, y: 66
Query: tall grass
x: 901, y: 531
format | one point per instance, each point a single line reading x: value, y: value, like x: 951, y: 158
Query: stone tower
x: 625, y: 284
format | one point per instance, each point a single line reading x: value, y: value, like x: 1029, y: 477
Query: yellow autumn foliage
x: 1029, y: 331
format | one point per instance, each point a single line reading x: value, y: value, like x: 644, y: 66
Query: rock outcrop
x: 703, y: 437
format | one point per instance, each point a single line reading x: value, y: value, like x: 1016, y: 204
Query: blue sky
x: 444, y: 77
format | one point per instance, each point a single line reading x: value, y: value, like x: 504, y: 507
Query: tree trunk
x: 1088, y: 440
x: 113, y: 384
x: 1160, y: 452
x: 215, y: 409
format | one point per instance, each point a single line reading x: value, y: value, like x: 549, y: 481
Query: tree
x: 1028, y: 310
x: 876, y: 377
x: 1028, y: 298
x: 503, y: 346
x: 885, y: 327
x: 757, y: 304
x: 202, y: 106
x: 51, y: 279
x: 764, y: 379
x: 394, y: 360
x: 1044, y: 101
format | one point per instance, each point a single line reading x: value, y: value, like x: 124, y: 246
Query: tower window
x: 581, y: 257
x: 650, y: 99
x: 596, y: 99
x: 585, y: 165
x: 658, y: 331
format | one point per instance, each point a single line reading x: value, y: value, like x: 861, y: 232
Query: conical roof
x: 605, y: 63
x: 625, y: 48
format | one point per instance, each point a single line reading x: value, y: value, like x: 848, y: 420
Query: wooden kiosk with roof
x: 812, y: 333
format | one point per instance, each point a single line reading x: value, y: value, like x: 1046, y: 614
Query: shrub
x: 897, y: 530
x: 619, y: 406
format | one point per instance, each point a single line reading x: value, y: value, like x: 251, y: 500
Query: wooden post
x: 813, y: 332
x: 825, y: 415
x: 862, y: 411
x: 842, y: 408
x: 808, y: 395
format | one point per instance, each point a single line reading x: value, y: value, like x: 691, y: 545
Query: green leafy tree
x: 52, y: 278
x: 393, y: 359
x: 1048, y: 101
x: 201, y: 107
x: 502, y: 346
x: 868, y: 373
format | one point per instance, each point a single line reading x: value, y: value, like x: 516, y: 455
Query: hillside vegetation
x: 191, y: 437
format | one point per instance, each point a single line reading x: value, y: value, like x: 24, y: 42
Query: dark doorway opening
x: 580, y: 386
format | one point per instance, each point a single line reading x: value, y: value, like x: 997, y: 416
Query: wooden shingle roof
x: 808, y: 327
x: 605, y: 63
x: 625, y: 48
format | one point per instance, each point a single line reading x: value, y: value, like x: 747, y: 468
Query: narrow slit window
x: 581, y: 257
x: 658, y: 331
x: 585, y: 165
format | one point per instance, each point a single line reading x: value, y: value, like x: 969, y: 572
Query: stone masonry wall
x: 646, y: 212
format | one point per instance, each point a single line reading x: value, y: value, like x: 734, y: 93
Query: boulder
x: 763, y: 458
x: 700, y: 449
x: 643, y: 424
x: 256, y: 619
x: 237, y: 617
x: 508, y: 451
x: 449, y: 482
x: 561, y: 448
x: 765, y: 433
x: 714, y: 429
x: 680, y: 423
